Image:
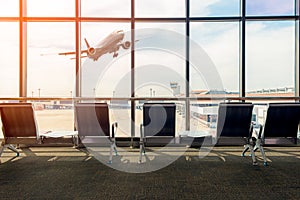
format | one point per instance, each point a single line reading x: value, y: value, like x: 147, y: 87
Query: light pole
x: 150, y: 92
x: 39, y: 92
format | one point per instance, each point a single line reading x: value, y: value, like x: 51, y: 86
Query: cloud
x: 203, y: 7
x: 221, y: 42
x: 48, y: 8
x: 270, y: 55
x: 111, y: 8
x: 259, y: 7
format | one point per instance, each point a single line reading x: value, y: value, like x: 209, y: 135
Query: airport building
x: 195, y: 55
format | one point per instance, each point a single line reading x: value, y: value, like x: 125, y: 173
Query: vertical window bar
x: 242, y: 70
x: 132, y: 70
x: 22, y: 50
x: 78, y: 48
x: 187, y: 87
x: 297, y: 53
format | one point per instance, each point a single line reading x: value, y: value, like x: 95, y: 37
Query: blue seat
x: 158, y: 125
x: 93, y: 125
x: 282, y: 122
x: 281, y: 126
x: 234, y: 119
x: 19, y: 127
x: 234, y: 123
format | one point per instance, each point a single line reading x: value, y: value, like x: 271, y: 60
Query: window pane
x: 270, y: 58
x: 220, y: 40
x: 160, y: 45
x: 103, y: 77
x: 270, y: 7
x: 49, y: 74
x: 111, y: 8
x: 109, y: 76
x: 57, y: 116
x: 51, y: 8
x: 160, y: 8
x: 9, y: 8
x: 214, y: 8
x: 9, y: 59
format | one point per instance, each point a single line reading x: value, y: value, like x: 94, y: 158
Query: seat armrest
x: 141, y: 131
x: 114, y: 127
x: 260, y: 135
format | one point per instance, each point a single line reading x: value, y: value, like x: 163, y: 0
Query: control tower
x: 175, y: 87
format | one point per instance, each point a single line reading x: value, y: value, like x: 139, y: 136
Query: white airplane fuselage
x: 109, y: 44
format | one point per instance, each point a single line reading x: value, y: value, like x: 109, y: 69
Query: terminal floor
x: 69, y: 173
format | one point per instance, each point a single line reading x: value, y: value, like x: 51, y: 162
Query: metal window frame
x: 77, y: 19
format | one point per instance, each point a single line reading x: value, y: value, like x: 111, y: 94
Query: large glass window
x: 9, y: 59
x: 109, y: 75
x: 220, y: 41
x: 270, y: 57
x: 160, y: 46
x: 50, y: 74
x: 160, y: 62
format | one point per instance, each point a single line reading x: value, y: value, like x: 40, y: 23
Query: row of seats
x: 281, y: 123
x: 159, y: 119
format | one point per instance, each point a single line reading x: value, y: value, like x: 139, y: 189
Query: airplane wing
x: 72, y: 52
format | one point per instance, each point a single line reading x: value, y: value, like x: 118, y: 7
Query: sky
x: 269, y: 54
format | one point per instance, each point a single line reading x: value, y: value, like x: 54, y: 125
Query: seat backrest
x: 18, y: 120
x: 234, y: 119
x: 282, y: 120
x: 159, y: 119
x: 92, y: 119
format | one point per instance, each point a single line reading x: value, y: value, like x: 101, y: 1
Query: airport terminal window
x: 213, y: 8
x: 270, y: 58
x: 108, y: 76
x: 216, y: 34
x: 51, y: 8
x: 9, y: 62
x: 111, y: 8
x: 270, y: 7
x: 270, y: 48
x: 164, y: 51
x: 9, y: 8
x: 159, y: 8
x: 220, y: 40
x: 54, y: 117
x: 50, y: 75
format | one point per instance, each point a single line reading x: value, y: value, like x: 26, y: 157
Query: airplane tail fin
x: 87, y: 44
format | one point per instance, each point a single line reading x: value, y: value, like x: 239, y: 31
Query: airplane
x: 110, y: 44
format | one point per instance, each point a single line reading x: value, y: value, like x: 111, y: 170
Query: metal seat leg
x: 142, y: 145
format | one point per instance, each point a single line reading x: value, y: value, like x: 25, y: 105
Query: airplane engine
x: 91, y: 51
x: 126, y: 45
